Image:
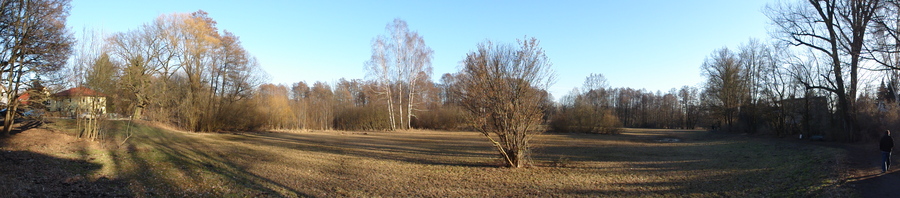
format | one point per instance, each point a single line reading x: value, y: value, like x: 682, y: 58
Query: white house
x: 78, y: 100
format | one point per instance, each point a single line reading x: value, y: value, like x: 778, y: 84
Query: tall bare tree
x: 321, y: 105
x: 399, y: 61
x: 34, y: 40
x: 180, y: 69
x: 726, y: 84
x: 501, y: 86
x: 835, y: 31
x: 299, y: 102
x: 690, y: 106
x: 145, y: 52
x: 378, y: 69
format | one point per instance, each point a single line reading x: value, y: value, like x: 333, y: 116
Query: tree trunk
x: 400, y: 104
x: 391, y: 108
x: 409, y: 105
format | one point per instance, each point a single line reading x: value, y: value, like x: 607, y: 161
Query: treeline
x: 34, y: 42
x: 179, y: 69
x: 182, y: 70
x: 356, y: 105
x: 598, y: 109
x: 349, y: 105
x: 819, y: 76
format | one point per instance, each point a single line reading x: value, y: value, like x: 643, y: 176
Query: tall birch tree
x: 400, y: 59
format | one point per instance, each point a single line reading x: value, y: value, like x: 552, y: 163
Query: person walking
x: 887, y: 144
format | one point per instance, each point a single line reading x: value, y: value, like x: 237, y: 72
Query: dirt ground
x: 639, y: 162
x: 41, y: 163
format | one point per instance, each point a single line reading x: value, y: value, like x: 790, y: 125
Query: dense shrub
x: 444, y: 118
x: 361, y: 118
x: 585, y: 119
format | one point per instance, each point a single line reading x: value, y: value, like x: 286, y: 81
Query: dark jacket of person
x: 887, y: 143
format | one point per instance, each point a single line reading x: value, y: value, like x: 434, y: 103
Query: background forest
x: 829, y: 69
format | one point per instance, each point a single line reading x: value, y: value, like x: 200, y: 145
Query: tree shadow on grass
x: 23, y: 125
x: 29, y: 174
x: 724, y: 186
x: 867, y: 178
x: 726, y: 165
x: 172, y: 164
x: 471, y: 152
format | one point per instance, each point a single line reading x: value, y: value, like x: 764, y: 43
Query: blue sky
x: 654, y: 45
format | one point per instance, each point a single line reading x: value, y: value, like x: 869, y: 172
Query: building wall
x: 71, y: 106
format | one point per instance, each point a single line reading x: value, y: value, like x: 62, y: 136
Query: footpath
x: 865, y: 172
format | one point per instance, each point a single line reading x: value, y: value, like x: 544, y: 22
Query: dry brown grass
x: 159, y: 162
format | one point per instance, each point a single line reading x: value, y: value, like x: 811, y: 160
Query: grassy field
x: 638, y: 162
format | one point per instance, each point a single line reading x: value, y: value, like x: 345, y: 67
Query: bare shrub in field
x: 501, y: 87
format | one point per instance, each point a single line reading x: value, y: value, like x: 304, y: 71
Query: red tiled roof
x: 78, y: 91
x: 24, y: 98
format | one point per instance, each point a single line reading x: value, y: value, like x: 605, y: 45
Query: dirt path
x: 865, y: 173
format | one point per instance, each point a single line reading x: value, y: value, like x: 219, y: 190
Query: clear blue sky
x: 656, y: 45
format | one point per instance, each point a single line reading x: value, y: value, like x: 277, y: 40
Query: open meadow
x: 638, y: 162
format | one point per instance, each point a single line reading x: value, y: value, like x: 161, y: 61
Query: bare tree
x: 321, y: 105
x: 299, y: 102
x: 885, y: 34
x: 34, y: 40
x: 145, y: 53
x: 500, y: 85
x: 690, y: 106
x: 180, y: 69
x: 399, y: 60
x: 726, y: 84
x: 379, y: 71
x: 834, y: 30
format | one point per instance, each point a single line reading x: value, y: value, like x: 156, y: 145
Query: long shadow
x: 873, y: 183
x: 193, y: 157
x: 790, y: 169
x: 24, y: 125
x: 434, y: 150
x: 424, y: 150
x: 194, y: 162
x: 29, y: 174
x: 693, y: 146
x: 709, y: 187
